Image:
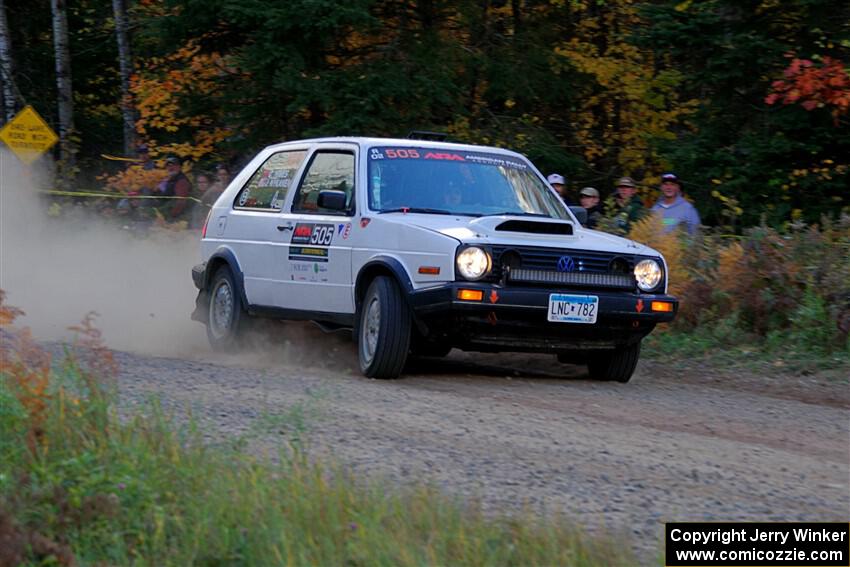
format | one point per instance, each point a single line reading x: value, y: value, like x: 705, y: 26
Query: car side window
x: 268, y: 187
x: 328, y: 171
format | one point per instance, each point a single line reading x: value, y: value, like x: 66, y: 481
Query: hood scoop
x: 536, y: 227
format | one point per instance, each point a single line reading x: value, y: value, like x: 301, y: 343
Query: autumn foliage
x: 814, y: 86
x: 165, y: 91
x: 26, y: 367
x: 794, y: 282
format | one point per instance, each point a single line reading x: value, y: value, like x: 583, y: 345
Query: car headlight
x: 648, y: 274
x: 473, y: 263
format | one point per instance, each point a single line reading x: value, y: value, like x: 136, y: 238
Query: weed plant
x: 78, y: 486
x: 779, y: 293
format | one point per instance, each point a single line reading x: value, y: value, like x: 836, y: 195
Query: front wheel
x: 615, y: 366
x: 227, y: 319
x: 383, y: 337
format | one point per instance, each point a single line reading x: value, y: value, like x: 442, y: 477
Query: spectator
x: 675, y: 210
x: 628, y: 208
x: 176, y: 185
x: 557, y: 181
x: 589, y: 199
x: 222, y: 176
x: 145, y: 157
x: 210, y: 193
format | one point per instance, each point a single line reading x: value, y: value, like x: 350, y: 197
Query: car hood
x: 484, y: 230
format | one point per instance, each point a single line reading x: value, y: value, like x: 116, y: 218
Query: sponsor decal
x: 275, y: 178
x: 364, y: 222
x: 314, y: 234
x: 346, y: 231
x: 639, y: 305
x: 308, y: 254
x: 482, y: 158
x: 494, y: 297
x: 445, y: 156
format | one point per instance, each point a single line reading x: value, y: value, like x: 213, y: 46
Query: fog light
x: 470, y: 294
x: 662, y: 306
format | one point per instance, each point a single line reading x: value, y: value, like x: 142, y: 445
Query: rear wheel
x: 383, y: 333
x: 227, y: 319
x: 615, y: 366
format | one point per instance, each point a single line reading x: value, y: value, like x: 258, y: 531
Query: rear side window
x: 268, y: 187
x: 328, y: 171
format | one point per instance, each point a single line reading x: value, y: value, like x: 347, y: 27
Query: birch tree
x: 7, y: 93
x: 119, y: 8
x: 63, y: 85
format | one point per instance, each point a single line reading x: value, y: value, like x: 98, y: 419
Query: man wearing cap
x: 557, y: 181
x: 628, y: 208
x: 674, y: 209
x: 176, y: 185
x: 145, y: 157
x: 589, y: 199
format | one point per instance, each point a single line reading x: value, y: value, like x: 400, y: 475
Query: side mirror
x: 333, y: 200
x: 580, y: 213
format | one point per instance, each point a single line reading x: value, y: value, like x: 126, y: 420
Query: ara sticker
x: 314, y: 234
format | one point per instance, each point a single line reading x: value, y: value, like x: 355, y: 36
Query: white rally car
x: 420, y: 247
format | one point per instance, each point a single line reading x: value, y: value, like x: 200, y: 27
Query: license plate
x: 573, y: 308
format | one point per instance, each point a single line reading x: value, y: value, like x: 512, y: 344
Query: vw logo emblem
x: 566, y: 264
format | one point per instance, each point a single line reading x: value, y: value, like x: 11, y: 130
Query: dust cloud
x: 59, y: 269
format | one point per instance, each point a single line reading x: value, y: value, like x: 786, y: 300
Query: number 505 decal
x: 322, y: 234
x: 401, y: 153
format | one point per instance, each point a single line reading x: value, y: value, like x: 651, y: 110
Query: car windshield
x: 457, y: 182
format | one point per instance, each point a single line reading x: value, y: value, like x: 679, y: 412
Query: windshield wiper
x: 418, y: 210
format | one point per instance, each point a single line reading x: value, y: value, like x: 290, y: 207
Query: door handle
x: 282, y: 227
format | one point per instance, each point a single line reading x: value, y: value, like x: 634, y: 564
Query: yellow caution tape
x: 119, y: 158
x: 114, y: 195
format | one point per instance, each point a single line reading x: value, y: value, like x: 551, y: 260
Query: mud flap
x: 201, y: 313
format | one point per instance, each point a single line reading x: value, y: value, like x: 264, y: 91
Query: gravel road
x: 520, y: 430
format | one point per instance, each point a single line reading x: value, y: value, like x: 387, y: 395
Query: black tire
x: 227, y: 319
x: 615, y: 366
x: 383, y: 330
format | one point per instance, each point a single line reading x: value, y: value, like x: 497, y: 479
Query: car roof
x: 367, y: 142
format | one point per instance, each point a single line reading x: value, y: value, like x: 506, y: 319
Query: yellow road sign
x: 28, y: 135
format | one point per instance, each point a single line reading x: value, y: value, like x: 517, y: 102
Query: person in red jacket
x: 176, y: 185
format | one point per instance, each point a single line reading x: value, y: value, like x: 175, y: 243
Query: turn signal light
x: 470, y: 294
x: 430, y: 270
x: 662, y: 306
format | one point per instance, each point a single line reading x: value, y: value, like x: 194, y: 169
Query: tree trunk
x: 8, y: 92
x: 125, y: 61
x: 63, y: 84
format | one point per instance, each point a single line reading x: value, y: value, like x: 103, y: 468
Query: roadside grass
x: 724, y: 346
x: 80, y: 486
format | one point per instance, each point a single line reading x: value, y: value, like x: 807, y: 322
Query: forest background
x: 748, y: 101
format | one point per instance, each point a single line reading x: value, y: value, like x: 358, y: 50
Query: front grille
x: 547, y: 259
x: 543, y: 262
x: 591, y: 279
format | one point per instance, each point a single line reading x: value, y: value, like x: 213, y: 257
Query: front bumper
x: 515, y: 318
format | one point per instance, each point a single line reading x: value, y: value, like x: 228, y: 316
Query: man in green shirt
x: 628, y: 208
